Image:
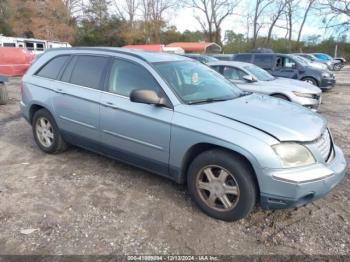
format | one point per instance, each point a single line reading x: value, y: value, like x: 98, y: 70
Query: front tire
x: 310, y: 80
x: 46, y: 133
x: 222, y: 185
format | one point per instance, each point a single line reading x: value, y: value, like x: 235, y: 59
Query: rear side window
x: 263, y: 60
x: 126, y: 76
x: 88, y: 71
x: 243, y: 57
x: 53, y: 67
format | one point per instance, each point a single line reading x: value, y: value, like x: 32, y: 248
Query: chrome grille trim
x: 325, y: 146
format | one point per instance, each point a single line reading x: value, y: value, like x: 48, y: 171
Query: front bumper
x: 302, y: 185
x: 328, y: 83
x: 311, y: 103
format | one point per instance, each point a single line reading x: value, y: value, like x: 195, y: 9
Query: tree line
x: 120, y: 22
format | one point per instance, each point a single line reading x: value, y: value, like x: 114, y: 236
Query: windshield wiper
x: 208, y: 100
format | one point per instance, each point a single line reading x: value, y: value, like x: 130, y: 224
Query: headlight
x: 326, y: 75
x: 304, y: 94
x: 293, y: 154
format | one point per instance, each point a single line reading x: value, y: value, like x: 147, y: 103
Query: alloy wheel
x: 218, y: 188
x: 44, y: 132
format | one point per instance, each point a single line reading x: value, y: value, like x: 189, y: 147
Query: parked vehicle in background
x: 252, y: 78
x: 180, y: 119
x: 336, y: 63
x: 282, y: 65
x: 313, y: 58
x: 15, y: 61
x: 310, y: 62
x: 223, y: 57
x: 36, y: 46
x: 3, y: 90
x: 201, y: 58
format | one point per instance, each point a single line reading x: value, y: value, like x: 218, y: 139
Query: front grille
x: 325, y: 145
x: 316, y: 96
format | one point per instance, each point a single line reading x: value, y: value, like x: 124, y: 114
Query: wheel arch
x: 34, y: 107
x: 199, y: 148
x: 311, y: 77
x: 281, y: 94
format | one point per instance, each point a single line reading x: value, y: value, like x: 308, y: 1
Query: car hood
x: 279, y: 118
x: 294, y: 85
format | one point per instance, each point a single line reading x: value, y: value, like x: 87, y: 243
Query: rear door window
x: 53, y: 67
x: 88, y: 71
x: 264, y: 61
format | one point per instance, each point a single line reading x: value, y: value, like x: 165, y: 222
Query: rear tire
x: 46, y: 133
x: 310, y: 80
x: 222, y: 185
x: 4, y: 97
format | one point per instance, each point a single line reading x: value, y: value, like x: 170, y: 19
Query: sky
x: 184, y: 19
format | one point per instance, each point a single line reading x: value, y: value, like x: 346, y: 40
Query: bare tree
x: 307, y: 10
x: 260, y: 7
x: 214, y: 12
x: 279, y: 10
x: 127, y: 9
x: 337, y: 9
x: 73, y: 7
x: 153, y: 14
x: 97, y: 10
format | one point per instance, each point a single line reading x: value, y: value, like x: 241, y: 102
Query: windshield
x: 259, y: 73
x: 195, y: 83
x: 301, y: 60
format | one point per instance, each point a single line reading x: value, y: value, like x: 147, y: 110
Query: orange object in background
x: 15, y: 61
x: 152, y: 48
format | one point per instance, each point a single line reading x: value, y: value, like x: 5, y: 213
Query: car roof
x: 229, y: 63
x: 151, y: 57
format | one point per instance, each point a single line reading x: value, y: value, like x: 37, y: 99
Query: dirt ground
x: 78, y: 202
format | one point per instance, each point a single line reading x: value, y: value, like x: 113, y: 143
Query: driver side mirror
x: 145, y: 96
x: 249, y: 78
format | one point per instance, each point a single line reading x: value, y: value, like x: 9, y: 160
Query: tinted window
x: 53, y: 67
x: 9, y: 45
x: 88, y: 71
x: 233, y: 73
x: 243, y: 58
x: 263, y: 60
x: 30, y: 46
x: 126, y: 77
x: 40, y: 47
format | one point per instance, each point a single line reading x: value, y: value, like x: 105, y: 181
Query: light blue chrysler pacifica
x: 180, y: 119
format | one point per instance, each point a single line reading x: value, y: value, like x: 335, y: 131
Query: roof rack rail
x: 106, y: 49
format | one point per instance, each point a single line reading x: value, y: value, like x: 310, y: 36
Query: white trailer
x: 37, y: 46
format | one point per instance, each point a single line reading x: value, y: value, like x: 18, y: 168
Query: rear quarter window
x: 53, y: 67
